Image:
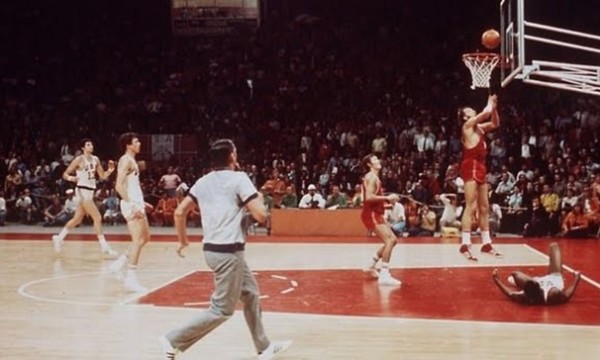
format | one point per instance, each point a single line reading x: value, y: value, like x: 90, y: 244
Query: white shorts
x: 554, y: 280
x: 82, y: 195
x: 128, y: 209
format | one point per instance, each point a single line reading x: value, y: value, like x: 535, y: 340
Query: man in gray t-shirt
x: 224, y: 197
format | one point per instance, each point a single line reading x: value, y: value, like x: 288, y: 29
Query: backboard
x: 577, y: 70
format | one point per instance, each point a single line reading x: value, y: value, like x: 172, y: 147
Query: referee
x: 224, y: 196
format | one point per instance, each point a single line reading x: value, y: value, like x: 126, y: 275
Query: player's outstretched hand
x: 111, y: 165
x: 577, y: 274
x: 495, y: 273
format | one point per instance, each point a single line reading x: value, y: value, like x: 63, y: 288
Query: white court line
x: 138, y: 296
x: 23, y: 289
x: 587, y: 279
x: 434, y: 321
x: 279, y: 277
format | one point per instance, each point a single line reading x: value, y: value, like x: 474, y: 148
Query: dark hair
x: 220, y: 151
x: 126, y: 139
x: 367, y: 160
x: 533, y: 292
x: 83, y: 141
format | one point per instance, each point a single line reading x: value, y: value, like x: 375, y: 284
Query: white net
x: 481, y: 66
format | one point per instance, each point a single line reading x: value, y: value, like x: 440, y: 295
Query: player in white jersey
x: 85, y: 167
x: 540, y: 290
x: 133, y: 210
x: 224, y: 197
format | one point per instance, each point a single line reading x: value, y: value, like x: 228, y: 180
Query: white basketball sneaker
x: 275, y: 347
x: 132, y: 284
x: 116, y: 267
x: 57, y: 242
x: 386, y: 279
x: 169, y: 352
x: 109, y: 253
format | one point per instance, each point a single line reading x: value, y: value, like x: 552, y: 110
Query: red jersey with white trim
x: 473, y: 164
x: 372, y: 206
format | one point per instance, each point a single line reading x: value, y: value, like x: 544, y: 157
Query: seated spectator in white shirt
x: 312, y: 200
x: 396, y: 216
x: 449, y: 217
x: 25, y: 207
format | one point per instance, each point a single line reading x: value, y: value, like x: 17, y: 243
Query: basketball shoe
x: 274, y: 348
x: 386, y: 279
x: 169, y: 352
x: 489, y: 249
x: 465, y: 250
x: 57, y: 242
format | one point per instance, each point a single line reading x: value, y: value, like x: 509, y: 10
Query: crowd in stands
x: 304, y: 103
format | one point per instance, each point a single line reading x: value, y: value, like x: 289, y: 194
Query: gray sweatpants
x: 233, y: 281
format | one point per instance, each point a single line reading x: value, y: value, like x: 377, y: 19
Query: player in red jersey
x: 372, y: 217
x: 473, y: 171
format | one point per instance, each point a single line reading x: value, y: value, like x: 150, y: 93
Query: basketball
x: 490, y: 39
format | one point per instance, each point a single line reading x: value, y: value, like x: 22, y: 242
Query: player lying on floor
x: 542, y: 290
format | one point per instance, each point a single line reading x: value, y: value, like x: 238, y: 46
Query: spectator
x: 336, y: 199
x: 275, y: 187
x: 396, y: 216
x: 449, y: 218
x: 357, y: 199
x: 52, y: 214
x: 289, y: 200
x: 2, y: 208
x: 12, y: 182
x: 537, y: 225
x: 427, y: 223
x: 495, y: 217
x: 169, y: 182
x: 312, y: 200
x: 111, y: 208
x: 551, y: 202
x: 70, y: 203
x: 576, y: 224
x: 164, y: 210
x: 25, y: 208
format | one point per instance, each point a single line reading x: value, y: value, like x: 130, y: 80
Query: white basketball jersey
x: 86, y: 176
x: 134, y: 189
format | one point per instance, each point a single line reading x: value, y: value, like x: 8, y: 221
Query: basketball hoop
x: 481, y: 66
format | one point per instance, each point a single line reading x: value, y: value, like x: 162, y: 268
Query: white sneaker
x: 275, y: 347
x: 57, y: 242
x: 386, y: 279
x: 169, y: 352
x: 116, y: 267
x: 132, y: 284
x: 371, y: 272
x: 110, y: 254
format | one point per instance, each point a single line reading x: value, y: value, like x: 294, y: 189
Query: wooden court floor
x: 67, y: 306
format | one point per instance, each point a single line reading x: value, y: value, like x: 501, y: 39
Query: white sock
x: 485, y: 237
x: 131, y: 271
x: 385, y: 268
x: 63, y: 233
x: 465, y: 237
x: 122, y: 260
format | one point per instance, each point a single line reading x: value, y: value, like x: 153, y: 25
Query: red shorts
x: 370, y: 219
x: 471, y: 169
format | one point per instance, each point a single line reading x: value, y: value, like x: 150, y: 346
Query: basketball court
x: 68, y: 306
